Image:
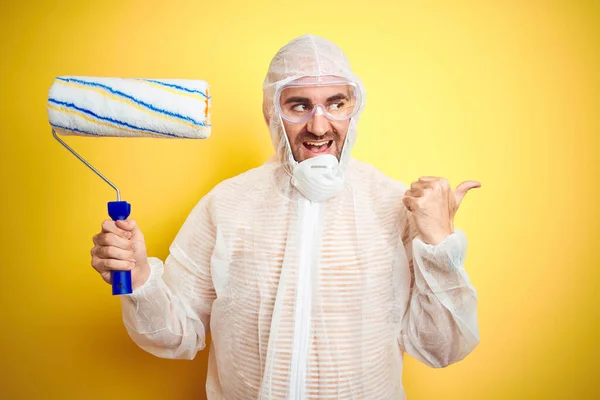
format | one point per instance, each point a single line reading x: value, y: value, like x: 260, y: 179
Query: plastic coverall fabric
x: 306, y: 300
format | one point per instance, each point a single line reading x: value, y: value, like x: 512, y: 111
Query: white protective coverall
x: 306, y: 299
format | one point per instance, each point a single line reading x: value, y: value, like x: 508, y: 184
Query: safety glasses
x: 298, y: 101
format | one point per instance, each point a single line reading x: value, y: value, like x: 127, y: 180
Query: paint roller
x: 127, y: 107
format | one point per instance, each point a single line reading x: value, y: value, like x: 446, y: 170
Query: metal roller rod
x: 88, y: 164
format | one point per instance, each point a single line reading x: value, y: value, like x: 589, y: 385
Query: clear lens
x: 338, y: 101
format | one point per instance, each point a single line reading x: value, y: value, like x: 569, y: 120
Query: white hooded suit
x: 306, y: 299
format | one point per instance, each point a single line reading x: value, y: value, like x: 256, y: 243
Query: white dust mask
x: 318, y: 178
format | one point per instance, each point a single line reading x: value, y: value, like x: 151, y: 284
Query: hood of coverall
x: 307, y: 56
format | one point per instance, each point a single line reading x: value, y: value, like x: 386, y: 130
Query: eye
x: 302, y: 107
x: 337, y: 106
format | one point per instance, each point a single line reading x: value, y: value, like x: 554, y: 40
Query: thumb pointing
x: 463, y: 188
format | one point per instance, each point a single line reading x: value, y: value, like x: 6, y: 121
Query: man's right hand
x: 121, y: 246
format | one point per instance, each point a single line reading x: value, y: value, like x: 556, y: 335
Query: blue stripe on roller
x: 172, y: 85
x: 108, y: 119
x: 129, y: 97
x: 76, y: 130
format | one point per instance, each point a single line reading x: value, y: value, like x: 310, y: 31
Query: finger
x: 416, y: 192
x: 110, y: 226
x: 410, y: 203
x: 129, y: 225
x: 110, y: 264
x: 110, y: 239
x: 422, y: 184
x: 463, y: 188
x: 107, y: 276
x: 429, y: 178
x: 115, y: 252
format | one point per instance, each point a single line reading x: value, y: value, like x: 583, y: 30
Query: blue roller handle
x: 121, y: 280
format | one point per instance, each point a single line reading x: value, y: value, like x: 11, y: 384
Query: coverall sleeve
x: 440, y: 326
x: 168, y: 316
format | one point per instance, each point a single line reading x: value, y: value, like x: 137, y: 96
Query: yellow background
x: 505, y: 92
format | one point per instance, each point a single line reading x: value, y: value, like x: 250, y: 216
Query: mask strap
x: 346, y: 141
x: 292, y: 162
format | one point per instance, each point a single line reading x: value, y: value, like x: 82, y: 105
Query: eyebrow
x: 298, y: 99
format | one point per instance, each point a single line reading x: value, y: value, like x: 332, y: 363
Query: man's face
x: 319, y: 135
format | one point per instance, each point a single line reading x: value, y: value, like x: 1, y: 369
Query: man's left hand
x: 433, y: 204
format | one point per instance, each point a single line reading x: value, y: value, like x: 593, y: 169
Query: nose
x: 318, y: 124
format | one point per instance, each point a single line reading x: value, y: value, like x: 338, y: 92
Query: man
x: 314, y: 272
